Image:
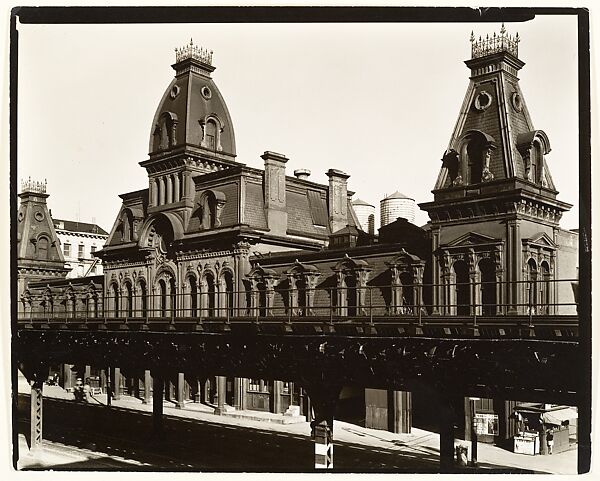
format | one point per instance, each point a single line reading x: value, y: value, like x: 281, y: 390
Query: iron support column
x: 116, y: 383
x: 36, y: 412
x: 108, y: 386
x: 221, y: 388
x: 324, y: 398
x: 147, y: 383
x: 158, y: 388
x: 447, y: 419
x: 277, y: 388
x: 402, y: 411
x: 180, y: 390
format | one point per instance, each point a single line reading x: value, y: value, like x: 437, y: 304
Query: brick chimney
x: 337, y: 199
x: 275, y: 195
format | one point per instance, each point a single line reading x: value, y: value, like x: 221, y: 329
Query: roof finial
x: 194, y: 52
x: 491, y: 44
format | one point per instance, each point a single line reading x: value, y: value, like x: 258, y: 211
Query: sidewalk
x: 418, y: 442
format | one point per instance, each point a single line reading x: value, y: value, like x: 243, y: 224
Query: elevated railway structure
x: 521, y: 357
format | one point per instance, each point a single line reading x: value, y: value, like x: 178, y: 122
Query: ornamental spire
x: 34, y: 186
x: 194, y: 52
x: 502, y: 42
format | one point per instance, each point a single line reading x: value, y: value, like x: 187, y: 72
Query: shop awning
x: 559, y: 416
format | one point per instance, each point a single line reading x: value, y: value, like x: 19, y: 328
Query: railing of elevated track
x: 549, y: 307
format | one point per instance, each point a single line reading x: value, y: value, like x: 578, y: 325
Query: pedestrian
x: 550, y: 440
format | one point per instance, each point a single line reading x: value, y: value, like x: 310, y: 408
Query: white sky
x: 378, y: 101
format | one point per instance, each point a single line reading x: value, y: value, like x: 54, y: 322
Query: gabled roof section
x: 472, y: 239
x: 349, y: 263
x: 540, y: 239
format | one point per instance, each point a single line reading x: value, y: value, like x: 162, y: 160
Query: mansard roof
x: 191, y: 100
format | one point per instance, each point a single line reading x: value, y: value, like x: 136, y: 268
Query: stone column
x: 513, y: 256
x: 161, y: 191
x: 221, y: 390
x: 169, y: 189
x: 180, y: 390
x: 176, y: 189
x: 147, y: 386
x: 153, y: 193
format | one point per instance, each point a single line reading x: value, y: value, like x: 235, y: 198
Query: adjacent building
x: 79, y: 241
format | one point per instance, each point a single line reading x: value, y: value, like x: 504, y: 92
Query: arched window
x: 114, y: 299
x: 262, y: 293
x: 229, y: 295
x: 533, y: 146
x: 488, y: 286
x: 70, y: 303
x: 162, y: 298
x: 351, y: 298
x: 128, y: 300
x: 462, y: 288
x: 92, y: 304
x: 262, y: 298
x: 532, y: 286
x: 408, y: 293
x: 476, y: 149
x: 143, y: 298
x: 352, y: 276
x: 209, y: 296
x: 210, y: 207
x: 210, y: 135
x: 192, y: 304
x: 172, y: 297
x: 42, y: 248
x: 544, y: 288
x: 164, y: 132
x: 475, y: 156
x: 126, y: 226
x: 302, y: 296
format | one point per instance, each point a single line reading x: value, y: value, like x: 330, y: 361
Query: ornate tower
x: 38, y: 249
x: 192, y: 134
x: 495, y: 214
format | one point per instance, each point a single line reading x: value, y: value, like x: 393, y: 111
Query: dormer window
x: 211, y: 133
x: 210, y: 207
x: 533, y: 146
x: 165, y: 131
x: 125, y: 226
x: 42, y: 248
x: 475, y: 150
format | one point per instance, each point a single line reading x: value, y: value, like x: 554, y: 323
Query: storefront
x: 536, y: 421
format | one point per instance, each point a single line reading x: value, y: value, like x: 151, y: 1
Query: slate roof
x: 75, y: 226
